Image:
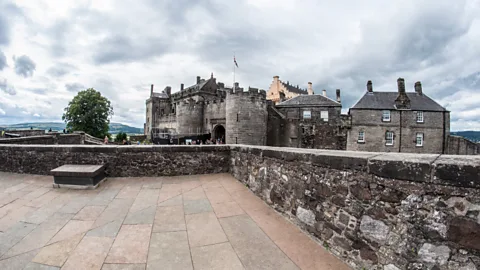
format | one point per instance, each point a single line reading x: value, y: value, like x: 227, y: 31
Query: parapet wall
x: 379, y: 211
x: 374, y: 210
x: 74, y: 138
x: 457, y: 145
x: 122, y: 161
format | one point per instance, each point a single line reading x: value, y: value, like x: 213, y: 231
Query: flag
x: 235, y: 61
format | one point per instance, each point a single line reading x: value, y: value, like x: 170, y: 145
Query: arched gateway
x: 219, y: 133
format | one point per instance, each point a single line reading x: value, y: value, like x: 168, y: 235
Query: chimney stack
x: 236, y: 85
x: 198, y: 79
x: 401, y: 85
x: 310, y: 89
x: 324, y: 92
x: 369, y: 86
x: 151, y: 90
x: 418, y: 88
x: 275, y: 78
x: 338, y: 96
x: 181, y: 87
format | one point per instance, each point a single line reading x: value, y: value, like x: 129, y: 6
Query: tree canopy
x: 120, y: 137
x: 88, y: 111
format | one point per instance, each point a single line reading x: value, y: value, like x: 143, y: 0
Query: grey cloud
x: 58, y: 32
x: 7, y: 88
x: 61, y: 69
x: 74, y: 87
x: 3, y: 60
x: 123, y: 49
x: 24, y: 66
x: 40, y: 91
x: 7, y: 12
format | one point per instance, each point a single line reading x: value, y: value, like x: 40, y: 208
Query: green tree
x: 120, y: 137
x: 89, y: 111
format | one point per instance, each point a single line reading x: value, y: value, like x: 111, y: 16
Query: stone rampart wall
x: 57, y: 138
x: 27, y: 132
x: 457, y: 145
x: 375, y: 210
x: 121, y: 161
x: 382, y: 211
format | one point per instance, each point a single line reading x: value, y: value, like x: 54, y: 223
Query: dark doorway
x: 219, y: 133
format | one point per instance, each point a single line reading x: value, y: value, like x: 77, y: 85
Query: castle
x: 289, y: 116
x: 208, y: 109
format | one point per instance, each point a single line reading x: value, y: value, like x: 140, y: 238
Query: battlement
x: 254, y: 92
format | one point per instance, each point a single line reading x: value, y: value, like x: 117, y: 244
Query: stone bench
x: 78, y: 176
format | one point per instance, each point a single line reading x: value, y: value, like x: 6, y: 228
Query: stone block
x: 374, y: 230
x: 306, y: 216
x: 464, y: 232
x: 78, y: 175
x: 412, y: 167
x: 431, y: 254
x: 459, y: 171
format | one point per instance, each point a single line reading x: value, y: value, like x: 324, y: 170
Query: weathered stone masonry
x: 121, y: 161
x: 375, y: 210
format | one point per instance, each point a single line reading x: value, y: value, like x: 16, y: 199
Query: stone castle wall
x: 457, y: 145
x: 383, y: 211
x: 47, y: 139
x: 246, y: 118
x: 375, y: 211
x: 122, y: 161
x: 27, y: 132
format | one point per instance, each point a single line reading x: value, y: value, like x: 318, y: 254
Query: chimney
x: 151, y: 90
x: 402, y: 101
x: 168, y: 90
x: 275, y: 78
x: 236, y: 85
x: 418, y: 88
x: 310, y: 89
x: 324, y: 92
x: 198, y: 79
x: 369, y: 86
x: 181, y: 87
x: 401, y: 85
x: 338, y: 96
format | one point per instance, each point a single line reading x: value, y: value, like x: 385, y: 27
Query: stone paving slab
x: 185, y: 222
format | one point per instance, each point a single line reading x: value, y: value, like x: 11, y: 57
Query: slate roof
x: 294, y: 89
x: 386, y: 101
x: 309, y: 100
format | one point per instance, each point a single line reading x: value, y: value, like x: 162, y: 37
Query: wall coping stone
x: 448, y: 170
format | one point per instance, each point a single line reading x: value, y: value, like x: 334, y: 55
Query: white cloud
x: 121, y: 47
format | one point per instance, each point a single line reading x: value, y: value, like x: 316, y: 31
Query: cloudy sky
x: 50, y: 49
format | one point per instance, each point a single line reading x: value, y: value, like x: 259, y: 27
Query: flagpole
x: 234, y: 72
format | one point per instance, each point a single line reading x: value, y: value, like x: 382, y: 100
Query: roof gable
x: 386, y: 101
x: 294, y: 89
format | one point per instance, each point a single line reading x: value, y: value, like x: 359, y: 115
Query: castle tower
x: 246, y: 117
x: 190, y: 117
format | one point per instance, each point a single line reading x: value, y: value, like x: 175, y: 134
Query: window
x: 419, y: 117
x: 161, y: 112
x: 419, y: 139
x: 307, y: 114
x: 389, y: 138
x: 361, y: 136
x: 237, y: 117
x: 324, y: 115
x: 386, y: 116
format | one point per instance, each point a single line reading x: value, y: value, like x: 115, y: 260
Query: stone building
x: 398, y: 122
x: 280, y: 91
x: 208, y: 109
x: 308, y: 121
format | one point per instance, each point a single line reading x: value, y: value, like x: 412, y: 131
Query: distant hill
x: 59, y: 126
x: 473, y: 136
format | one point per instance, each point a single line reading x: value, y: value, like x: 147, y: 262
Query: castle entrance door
x: 219, y: 133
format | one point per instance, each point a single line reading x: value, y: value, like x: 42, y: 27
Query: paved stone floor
x: 187, y: 222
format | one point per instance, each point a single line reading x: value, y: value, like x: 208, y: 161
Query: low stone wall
x: 135, y: 160
x: 27, y: 132
x: 44, y: 139
x: 51, y: 138
x: 458, y: 145
x: 374, y: 210
x: 139, y: 138
x: 383, y: 211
